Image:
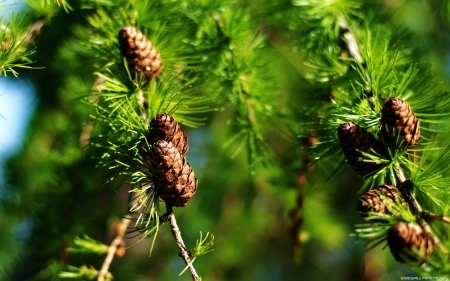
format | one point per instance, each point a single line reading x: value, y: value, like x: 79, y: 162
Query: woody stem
x: 170, y: 216
x: 113, y: 247
x: 430, y: 215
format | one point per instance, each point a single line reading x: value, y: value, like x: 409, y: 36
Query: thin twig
x: 143, y: 106
x: 430, y: 215
x: 399, y: 173
x: 120, y: 232
x: 35, y: 30
x: 296, y: 214
x: 350, y: 40
x: 177, y: 235
x: 351, y: 44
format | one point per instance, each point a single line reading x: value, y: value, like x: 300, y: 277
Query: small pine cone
x: 398, y: 118
x: 353, y: 137
x: 379, y: 200
x: 174, y: 180
x: 140, y: 53
x: 409, y: 243
x: 164, y: 127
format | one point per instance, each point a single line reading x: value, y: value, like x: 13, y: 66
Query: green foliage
x: 62, y: 3
x: 260, y: 82
x: 359, y: 79
x: 13, y: 45
x: 46, y: 8
x: 377, y: 225
x: 87, y: 245
x: 147, y: 224
x: 80, y: 273
x: 203, y: 246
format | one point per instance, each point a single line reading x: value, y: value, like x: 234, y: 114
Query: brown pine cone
x: 398, y: 118
x: 353, y: 137
x: 174, y: 178
x: 379, y: 200
x: 164, y: 127
x: 409, y: 243
x: 140, y: 53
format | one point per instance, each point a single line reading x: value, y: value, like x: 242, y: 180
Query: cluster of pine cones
x: 397, y: 118
x: 408, y: 242
x: 174, y: 179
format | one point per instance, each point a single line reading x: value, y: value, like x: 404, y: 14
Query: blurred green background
x: 50, y: 188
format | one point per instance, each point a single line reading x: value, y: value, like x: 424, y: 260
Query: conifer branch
x: 213, y: 52
x: 112, y: 249
x: 184, y: 253
x: 296, y: 213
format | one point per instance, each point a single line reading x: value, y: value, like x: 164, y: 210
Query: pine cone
x: 139, y: 52
x: 174, y: 180
x: 398, y: 118
x: 164, y: 127
x: 405, y: 240
x: 353, y: 137
x: 379, y: 200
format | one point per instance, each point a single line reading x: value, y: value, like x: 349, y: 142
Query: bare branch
x: 350, y: 40
x: 120, y: 231
x: 184, y: 253
x: 35, y: 30
x: 433, y: 216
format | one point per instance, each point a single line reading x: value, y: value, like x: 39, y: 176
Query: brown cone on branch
x: 397, y: 118
x: 140, y: 53
x: 164, y: 127
x: 353, y: 138
x: 380, y: 200
x: 409, y: 243
x: 174, y: 178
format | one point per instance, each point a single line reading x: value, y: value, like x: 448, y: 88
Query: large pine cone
x: 353, y: 137
x: 164, y: 127
x: 379, y: 200
x: 409, y: 243
x: 398, y: 118
x: 174, y: 178
x: 140, y: 53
